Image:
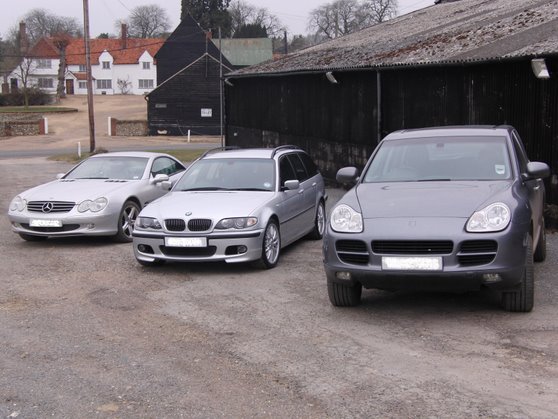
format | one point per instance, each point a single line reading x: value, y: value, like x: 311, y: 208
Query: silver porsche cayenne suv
x: 234, y: 205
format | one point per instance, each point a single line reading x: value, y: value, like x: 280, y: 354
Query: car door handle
x: 314, y: 184
x: 536, y: 188
x: 301, y: 191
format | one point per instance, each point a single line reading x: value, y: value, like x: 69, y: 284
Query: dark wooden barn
x: 189, y: 69
x: 454, y: 63
x: 187, y: 97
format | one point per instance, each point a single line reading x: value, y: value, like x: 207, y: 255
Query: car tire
x: 319, y: 223
x: 523, y: 298
x: 32, y: 238
x: 540, y: 252
x: 342, y: 295
x: 271, y: 245
x: 126, y: 220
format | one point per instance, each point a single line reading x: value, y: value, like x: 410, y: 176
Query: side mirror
x: 347, y: 175
x: 166, y: 185
x: 537, y: 170
x: 291, y: 185
x: 158, y: 179
x: 60, y: 176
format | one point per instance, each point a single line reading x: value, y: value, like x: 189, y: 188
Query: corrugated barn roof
x: 449, y: 32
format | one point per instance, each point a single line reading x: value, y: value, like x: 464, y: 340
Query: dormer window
x: 44, y: 63
x: 146, y: 65
x: 106, y: 65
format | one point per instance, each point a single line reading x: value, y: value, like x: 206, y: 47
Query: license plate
x: 45, y: 223
x: 398, y: 263
x: 186, y: 241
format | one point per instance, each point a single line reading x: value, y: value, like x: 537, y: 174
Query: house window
x: 146, y: 84
x: 82, y: 68
x: 45, y: 83
x: 104, y: 84
x: 82, y: 85
x: 146, y: 65
x: 106, y: 65
x: 44, y: 63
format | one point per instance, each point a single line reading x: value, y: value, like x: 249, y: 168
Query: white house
x: 118, y: 66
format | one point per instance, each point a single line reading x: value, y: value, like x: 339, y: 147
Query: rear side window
x: 166, y: 166
x: 311, y: 167
x: 300, y: 170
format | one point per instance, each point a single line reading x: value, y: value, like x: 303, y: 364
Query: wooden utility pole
x: 89, y: 77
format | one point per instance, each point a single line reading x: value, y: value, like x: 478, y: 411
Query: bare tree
x: 40, y: 23
x: 61, y: 42
x: 378, y: 11
x: 342, y: 17
x: 148, y: 21
x: 244, y: 14
x: 23, y: 72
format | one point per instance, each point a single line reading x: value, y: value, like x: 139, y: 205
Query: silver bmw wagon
x: 234, y: 205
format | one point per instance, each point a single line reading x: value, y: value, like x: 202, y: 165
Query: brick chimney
x: 23, y: 39
x: 124, y: 36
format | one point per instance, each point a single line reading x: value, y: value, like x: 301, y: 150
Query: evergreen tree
x: 210, y: 14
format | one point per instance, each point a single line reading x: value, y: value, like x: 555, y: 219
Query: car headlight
x: 18, y: 204
x: 494, y: 217
x: 344, y: 219
x: 94, y: 206
x: 148, y: 223
x: 237, y: 223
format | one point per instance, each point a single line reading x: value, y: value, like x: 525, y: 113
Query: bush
x: 36, y: 97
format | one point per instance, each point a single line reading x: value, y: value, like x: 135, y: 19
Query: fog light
x: 242, y: 249
x: 492, y: 277
x: 345, y: 276
x: 90, y: 226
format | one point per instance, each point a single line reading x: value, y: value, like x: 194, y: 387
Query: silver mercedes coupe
x: 100, y: 196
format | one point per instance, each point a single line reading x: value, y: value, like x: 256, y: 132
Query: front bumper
x: 73, y: 224
x: 229, y: 247
x: 496, y: 260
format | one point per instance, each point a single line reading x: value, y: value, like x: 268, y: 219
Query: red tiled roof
x: 75, y: 51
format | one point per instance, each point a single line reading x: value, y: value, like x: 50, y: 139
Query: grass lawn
x: 182, y: 155
x: 35, y: 109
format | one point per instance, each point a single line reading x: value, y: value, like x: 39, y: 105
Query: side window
x: 166, y: 166
x: 311, y: 167
x: 520, y: 153
x: 286, y: 171
x: 299, y: 168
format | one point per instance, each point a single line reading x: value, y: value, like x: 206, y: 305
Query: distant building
x: 118, y: 66
x: 189, y: 69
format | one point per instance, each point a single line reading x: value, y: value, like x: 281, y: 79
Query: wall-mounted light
x: 228, y: 83
x: 539, y: 68
x: 331, y: 77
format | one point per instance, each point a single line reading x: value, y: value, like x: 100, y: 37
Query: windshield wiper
x: 206, y: 188
x: 434, y: 180
x: 91, y: 177
x: 251, y: 189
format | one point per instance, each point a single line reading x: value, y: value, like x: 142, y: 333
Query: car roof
x: 246, y: 153
x: 144, y: 154
x: 453, y: 131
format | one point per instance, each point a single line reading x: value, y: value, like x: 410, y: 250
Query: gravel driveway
x: 87, y: 332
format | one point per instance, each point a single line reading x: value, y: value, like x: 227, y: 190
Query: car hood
x: 204, y: 204
x: 76, y: 190
x: 427, y: 199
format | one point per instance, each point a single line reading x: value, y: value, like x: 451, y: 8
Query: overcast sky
x: 104, y: 13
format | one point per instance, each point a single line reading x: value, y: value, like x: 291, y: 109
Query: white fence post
x: 110, y: 126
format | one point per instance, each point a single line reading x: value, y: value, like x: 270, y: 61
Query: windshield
x: 127, y: 168
x: 440, y: 159
x: 229, y: 174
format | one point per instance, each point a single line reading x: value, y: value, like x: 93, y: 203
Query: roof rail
x: 284, y: 147
x: 216, y: 149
